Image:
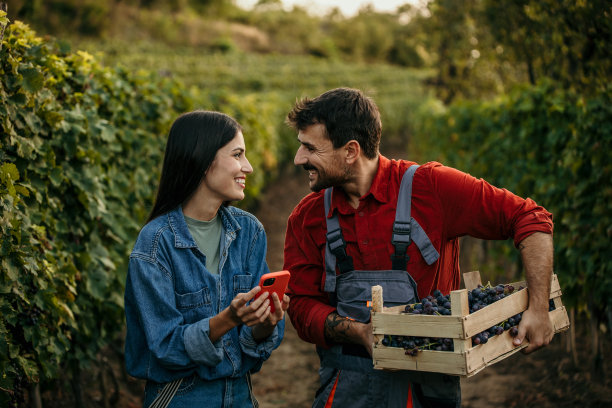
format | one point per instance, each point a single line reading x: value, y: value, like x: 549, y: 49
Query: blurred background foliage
x: 478, y: 47
x: 516, y: 92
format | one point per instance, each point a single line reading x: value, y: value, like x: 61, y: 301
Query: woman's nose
x: 246, y: 166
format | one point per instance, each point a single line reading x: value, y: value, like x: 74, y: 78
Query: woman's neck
x: 200, y: 208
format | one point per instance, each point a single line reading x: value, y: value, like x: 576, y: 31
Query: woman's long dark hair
x: 193, y: 142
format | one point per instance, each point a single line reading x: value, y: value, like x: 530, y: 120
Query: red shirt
x: 447, y: 203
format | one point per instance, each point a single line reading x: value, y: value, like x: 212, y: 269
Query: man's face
x: 325, y: 165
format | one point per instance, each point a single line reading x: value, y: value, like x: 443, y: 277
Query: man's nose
x: 300, y: 157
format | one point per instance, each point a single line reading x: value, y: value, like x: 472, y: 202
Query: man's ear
x: 353, y: 150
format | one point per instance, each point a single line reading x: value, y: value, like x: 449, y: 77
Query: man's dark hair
x: 347, y: 115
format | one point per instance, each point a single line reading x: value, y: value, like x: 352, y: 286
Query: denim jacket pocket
x: 243, y: 283
x: 194, y: 306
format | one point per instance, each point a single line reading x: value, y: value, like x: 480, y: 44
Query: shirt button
x: 365, y: 242
x: 361, y: 213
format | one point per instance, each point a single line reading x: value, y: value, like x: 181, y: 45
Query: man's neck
x: 364, y: 172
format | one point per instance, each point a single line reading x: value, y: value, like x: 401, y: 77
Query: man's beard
x: 325, y: 180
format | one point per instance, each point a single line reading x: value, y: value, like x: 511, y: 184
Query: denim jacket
x: 170, y: 298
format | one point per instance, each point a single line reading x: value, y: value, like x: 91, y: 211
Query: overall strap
x: 165, y: 396
x: 406, y: 229
x: 335, y: 248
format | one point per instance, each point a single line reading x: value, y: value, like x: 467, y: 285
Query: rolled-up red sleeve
x: 534, y: 219
x: 474, y: 207
x: 309, y: 306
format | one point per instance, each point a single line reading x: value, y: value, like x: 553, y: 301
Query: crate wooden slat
x: 496, y: 313
x: 435, y: 361
x: 417, y: 325
x: 466, y: 359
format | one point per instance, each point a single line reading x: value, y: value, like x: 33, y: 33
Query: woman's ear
x: 353, y: 150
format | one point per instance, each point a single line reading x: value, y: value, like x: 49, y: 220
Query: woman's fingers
x: 242, y: 299
x: 251, y: 293
x: 258, y: 315
x: 239, y: 308
x: 277, y: 302
x: 255, y: 304
x: 258, y: 310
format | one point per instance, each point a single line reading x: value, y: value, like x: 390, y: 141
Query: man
x: 342, y: 240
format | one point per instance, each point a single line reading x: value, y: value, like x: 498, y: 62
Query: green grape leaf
x: 32, y: 79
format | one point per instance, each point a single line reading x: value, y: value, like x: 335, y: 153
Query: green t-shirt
x: 207, y: 234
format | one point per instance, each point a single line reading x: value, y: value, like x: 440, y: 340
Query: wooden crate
x: 466, y: 359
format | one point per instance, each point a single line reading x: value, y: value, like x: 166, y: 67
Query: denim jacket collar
x: 182, y: 237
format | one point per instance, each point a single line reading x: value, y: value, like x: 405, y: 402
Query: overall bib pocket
x: 354, y: 291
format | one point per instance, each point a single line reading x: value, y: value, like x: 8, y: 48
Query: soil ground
x: 550, y: 377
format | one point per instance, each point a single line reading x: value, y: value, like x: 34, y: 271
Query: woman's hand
x: 239, y: 312
x: 265, y: 329
x: 257, y: 312
x: 279, y: 309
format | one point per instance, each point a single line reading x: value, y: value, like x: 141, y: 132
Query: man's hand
x: 535, y: 326
x: 343, y: 330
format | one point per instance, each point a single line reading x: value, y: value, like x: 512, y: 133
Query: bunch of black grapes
x: 440, y: 305
x: 17, y: 394
x: 434, y: 304
x: 483, y: 296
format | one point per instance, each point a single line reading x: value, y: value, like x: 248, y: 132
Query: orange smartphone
x: 274, y: 282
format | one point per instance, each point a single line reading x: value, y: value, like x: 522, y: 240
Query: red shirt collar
x: 378, y: 190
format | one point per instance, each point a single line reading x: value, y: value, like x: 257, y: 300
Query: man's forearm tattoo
x: 337, y: 328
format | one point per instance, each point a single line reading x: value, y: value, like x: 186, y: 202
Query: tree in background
x: 85, y: 17
x: 483, y: 47
x: 565, y: 40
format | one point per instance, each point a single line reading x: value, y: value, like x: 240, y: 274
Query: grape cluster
x: 440, y: 305
x: 17, y: 394
x: 33, y: 315
x: 434, y: 304
x: 483, y: 296
x: 412, y: 344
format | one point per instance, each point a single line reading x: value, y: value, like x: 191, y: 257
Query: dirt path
x: 289, y: 378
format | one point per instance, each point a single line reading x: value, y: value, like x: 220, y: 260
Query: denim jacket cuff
x: 252, y: 348
x: 198, y: 345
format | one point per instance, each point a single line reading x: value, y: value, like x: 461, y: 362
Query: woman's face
x: 225, y: 179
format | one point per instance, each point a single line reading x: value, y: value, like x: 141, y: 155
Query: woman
x: 194, y: 330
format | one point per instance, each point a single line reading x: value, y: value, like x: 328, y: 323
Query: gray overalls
x: 349, y: 367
